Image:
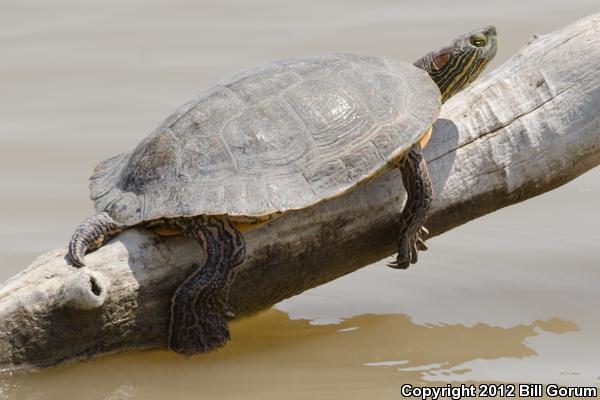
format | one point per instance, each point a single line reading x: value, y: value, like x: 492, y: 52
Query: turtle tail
x: 92, y: 234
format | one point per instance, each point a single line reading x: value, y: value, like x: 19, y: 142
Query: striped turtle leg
x: 199, y: 310
x: 420, y: 194
x: 91, y: 234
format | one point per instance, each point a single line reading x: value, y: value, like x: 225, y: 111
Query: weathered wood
x: 528, y: 127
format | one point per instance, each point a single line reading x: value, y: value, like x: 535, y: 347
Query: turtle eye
x: 478, y: 40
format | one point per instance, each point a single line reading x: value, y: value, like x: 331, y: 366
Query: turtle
x: 279, y: 137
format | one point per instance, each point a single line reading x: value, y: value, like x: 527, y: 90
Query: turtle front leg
x: 199, y: 307
x: 420, y: 195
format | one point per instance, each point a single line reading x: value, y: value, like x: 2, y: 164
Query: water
x: 511, y: 297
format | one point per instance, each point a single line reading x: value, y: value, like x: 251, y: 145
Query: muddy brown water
x: 511, y: 297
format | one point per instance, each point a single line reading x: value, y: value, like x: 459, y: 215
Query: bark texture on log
x: 528, y: 127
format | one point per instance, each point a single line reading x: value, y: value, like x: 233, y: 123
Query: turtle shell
x: 278, y: 137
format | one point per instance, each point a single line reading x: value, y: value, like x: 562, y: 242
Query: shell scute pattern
x: 289, y: 193
x: 209, y: 115
x: 328, y: 177
x: 363, y: 161
x: 265, y: 137
x: 152, y: 162
x: 391, y: 96
x: 204, y: 157
x: 419, y: 96
x: 390, y: 138
x: 278, y: 137
x: 366, y: 63
x: 236, y: 196
x: 263, y: 84
x: 129, y: 207
x: 381, y: 110
x: 199, y: 198
x: 333, y: 115
x: 105, y: 174
x: 317, y: 67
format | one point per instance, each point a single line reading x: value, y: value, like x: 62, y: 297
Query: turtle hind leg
x: 420, y: 195
x: 199, y: 307
x: 91, y: 234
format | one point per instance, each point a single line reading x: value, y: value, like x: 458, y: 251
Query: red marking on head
x: 441, y: 59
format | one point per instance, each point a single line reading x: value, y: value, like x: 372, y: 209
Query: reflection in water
x: 272, y: 356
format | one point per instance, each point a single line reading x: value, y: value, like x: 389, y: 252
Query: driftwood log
x: 529, y: 126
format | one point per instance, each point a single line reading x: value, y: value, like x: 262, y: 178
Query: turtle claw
x: 398, y: 265
x: 414, y: 253
x: 422, y: 233
x: 404, y: 257
x: 408, y: 249
x: 420, y: 243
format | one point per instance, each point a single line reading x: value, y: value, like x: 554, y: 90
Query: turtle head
x: 455, y: 66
